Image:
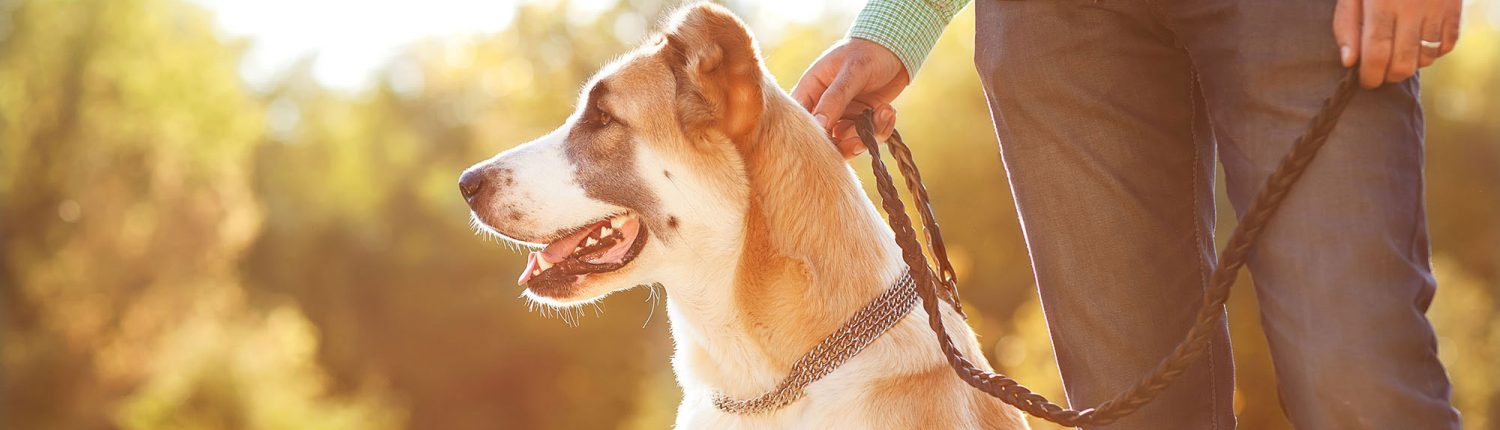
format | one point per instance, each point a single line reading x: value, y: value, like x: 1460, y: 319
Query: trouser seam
x: 1213, y: 378
x: 1154, y: 8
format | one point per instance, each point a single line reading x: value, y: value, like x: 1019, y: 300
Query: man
x: 1110, y: 114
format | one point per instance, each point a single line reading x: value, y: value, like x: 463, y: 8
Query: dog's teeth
x: 590, y: 242
x: 575, y: 250
x: 617, y: 222
x: 605, y: 231
x: 535, y: 272
x: 543, y: 264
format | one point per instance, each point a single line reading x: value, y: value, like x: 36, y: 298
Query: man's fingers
x: 810, y: 87
x: 1432, y: 31
x: 1376, y: 34
x: 851, y: 147
x: 844, y: 129
x: 1346, y: 30
x: 885, y: 122
x: 1452, y: 16
x: 884, y: 119
x: 831, y: 105
x: 1405, y: 49
x: 847, y: 139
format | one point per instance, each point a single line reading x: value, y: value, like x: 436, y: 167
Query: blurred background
x: 227, y: 214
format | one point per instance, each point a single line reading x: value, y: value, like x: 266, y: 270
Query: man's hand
x: 1385, y: 37
x: 850, y: 77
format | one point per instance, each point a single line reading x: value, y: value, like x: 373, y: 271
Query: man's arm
x: 886, y: 46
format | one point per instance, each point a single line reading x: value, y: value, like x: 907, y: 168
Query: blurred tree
x: 127, y: 208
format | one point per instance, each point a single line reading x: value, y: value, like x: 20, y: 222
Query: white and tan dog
x: 686, y: 165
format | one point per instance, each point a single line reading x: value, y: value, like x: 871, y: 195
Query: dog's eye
x: 598, y: 117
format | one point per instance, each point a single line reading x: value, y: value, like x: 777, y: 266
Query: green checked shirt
x: 908, y: 28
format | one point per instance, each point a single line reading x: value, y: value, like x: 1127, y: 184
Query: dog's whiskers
x: 654, y: 298
x: 572, y: 314
x: 490, y: 235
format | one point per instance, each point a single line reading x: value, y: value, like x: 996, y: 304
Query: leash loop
x: 1003, y: 387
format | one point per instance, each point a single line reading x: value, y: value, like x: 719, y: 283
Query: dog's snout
x: 471, y: 183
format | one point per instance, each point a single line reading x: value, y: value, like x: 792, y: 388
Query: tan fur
x: 918, y: 400
x: 719, y: 72
x: 803, y: 213
x: 812, y: 253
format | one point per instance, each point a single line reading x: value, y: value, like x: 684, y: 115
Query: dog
x: 686, y: 165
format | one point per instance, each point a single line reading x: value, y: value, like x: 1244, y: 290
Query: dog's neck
x: 815, y: 251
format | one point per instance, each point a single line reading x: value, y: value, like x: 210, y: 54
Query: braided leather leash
x: 1252, y: 224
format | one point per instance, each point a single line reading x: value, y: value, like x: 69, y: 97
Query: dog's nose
x: 471, y: 183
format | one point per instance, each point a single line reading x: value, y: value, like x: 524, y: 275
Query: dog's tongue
x: 531, y: 266
x: 554, y: 253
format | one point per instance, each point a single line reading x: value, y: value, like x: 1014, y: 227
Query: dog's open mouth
x: 602, y: 246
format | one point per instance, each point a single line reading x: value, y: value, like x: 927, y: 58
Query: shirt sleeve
x: 909, y: 28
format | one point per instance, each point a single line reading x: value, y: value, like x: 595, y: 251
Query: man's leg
x: 1342, y: 272
x: 1110, y: 163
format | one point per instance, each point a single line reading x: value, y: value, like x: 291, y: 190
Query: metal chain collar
x: 858, y: 333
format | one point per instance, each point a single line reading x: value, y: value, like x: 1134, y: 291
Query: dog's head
x: 644, y: 178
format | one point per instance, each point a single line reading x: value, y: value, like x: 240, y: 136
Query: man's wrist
x: 908, y: 28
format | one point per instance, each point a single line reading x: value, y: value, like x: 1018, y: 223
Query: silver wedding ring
x: 1432, y: 45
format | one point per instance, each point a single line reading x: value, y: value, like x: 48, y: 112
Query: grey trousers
x: 1110, y: 114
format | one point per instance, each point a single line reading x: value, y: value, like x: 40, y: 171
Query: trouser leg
x: 1342, y: 273
x: 1110, y: 163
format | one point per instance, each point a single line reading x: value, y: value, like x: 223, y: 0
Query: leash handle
x: 945, y: 276
x: 1003, y: 387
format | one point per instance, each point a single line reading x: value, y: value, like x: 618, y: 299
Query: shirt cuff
x: 909, y: 28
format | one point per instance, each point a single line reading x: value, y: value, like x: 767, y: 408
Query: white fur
x: 545, y: 191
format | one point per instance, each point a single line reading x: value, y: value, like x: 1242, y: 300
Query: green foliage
x: 180, y: 251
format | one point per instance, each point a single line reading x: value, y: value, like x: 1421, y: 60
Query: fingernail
x: 860, y: 150
x: 1344, y: 55
x: 886, y: 116
x: 822, y: 120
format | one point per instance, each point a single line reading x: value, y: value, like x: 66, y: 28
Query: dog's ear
x: 718, y: 70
